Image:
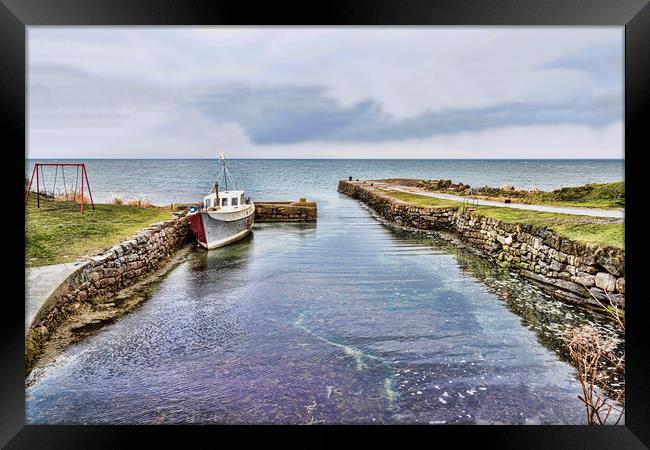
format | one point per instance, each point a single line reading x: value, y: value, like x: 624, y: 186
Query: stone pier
x: 572, y: 271
x: 283, y: 211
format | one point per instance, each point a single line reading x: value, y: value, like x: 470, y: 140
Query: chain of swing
x: 53, y: 192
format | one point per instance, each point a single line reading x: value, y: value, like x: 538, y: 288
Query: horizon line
x: 337, y: 159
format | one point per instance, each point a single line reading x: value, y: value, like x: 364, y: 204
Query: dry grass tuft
x: 598, y: 365
x: 72, y: 197
x: 140, y: 203
x: 593, y: 354
x: 116, y: 199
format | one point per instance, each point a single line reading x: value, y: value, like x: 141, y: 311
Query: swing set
x: 40, y: 183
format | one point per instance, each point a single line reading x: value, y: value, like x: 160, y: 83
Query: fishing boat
x: 225, y: 216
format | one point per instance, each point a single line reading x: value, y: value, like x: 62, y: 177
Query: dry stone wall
x: 126, y: 262
x: 285, y: 211
x: 571, y: 271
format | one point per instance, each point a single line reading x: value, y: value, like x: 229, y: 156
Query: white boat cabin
x: 228, y: 200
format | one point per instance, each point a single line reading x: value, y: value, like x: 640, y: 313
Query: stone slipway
x: 593, y: 212
x: 41, y: 283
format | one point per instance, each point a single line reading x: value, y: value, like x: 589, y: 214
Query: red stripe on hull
x: 196, y: 224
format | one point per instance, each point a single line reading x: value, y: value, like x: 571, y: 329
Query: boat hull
x: 213, y: 230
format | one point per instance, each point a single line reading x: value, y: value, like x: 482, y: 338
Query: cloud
x: 289, y: 115
x: 528, y: 142
x: 258, y: 88
x: 560, y: 141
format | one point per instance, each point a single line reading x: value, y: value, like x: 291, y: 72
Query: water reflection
x: 346, y: 321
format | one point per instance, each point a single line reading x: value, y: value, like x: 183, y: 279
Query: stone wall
x: 107, y: 273
x: 301, y: 211
x: 568, y: 270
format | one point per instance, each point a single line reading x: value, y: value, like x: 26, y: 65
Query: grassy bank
x: 422, y: 200
x: 577, y: 228
x: 607, y: 195
x: 57, y: 232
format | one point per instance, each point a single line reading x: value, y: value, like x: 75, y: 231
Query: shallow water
x: 343, y: 321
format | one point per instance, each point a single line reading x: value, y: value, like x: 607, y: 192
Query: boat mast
x: 222, y: 156
x: 225, y: 173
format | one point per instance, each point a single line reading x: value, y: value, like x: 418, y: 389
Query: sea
x: 165, y: 181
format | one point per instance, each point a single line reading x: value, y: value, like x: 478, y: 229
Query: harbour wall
x: 103, y: 275
x: 571, y: 271
x: 275, y: 211
x: 283, y: 211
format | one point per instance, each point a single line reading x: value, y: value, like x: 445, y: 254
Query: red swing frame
x: 84, y: 176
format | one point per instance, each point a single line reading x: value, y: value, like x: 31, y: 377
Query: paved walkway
x: 40, y: 282
x: 594, y: 212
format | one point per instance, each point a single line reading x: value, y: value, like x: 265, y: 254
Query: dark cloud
x: 281, y: 115
x: 297, y: 114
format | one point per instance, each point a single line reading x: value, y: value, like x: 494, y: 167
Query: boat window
x: 234, y: 201
x: 224, y: 202
x: 207, y: 203
x: 241, y: 200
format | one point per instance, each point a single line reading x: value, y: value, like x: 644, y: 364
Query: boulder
x: 606, y: 281
x: 612, y: 261
x: 585, y: 279
x: 620, y: 285
x: 100, y: 259
x: 570, y: 286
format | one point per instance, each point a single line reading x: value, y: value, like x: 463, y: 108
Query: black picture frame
x: 16, y: 15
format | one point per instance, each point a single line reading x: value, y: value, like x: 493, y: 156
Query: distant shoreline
x: 326, y: 159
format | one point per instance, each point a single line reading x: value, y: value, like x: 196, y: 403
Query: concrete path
x: 594, y: 212
x: 40, y: 282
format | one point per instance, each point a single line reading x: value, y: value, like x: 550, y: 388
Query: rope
x: 217, y: 180
x: 56, y: 174
x: 65, y: 189
x: 224, y: 173
x: 74, y: 196
x: 43, y: 178
x: 232, y: 180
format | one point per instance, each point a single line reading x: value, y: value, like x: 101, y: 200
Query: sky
x: 325, y: 92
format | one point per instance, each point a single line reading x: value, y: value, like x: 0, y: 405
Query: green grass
x: 576, y: 228
x: 607, y: 195
x: 422, y: 200
x: 57, y: 232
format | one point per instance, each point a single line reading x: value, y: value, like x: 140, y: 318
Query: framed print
x: 379, y: 217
